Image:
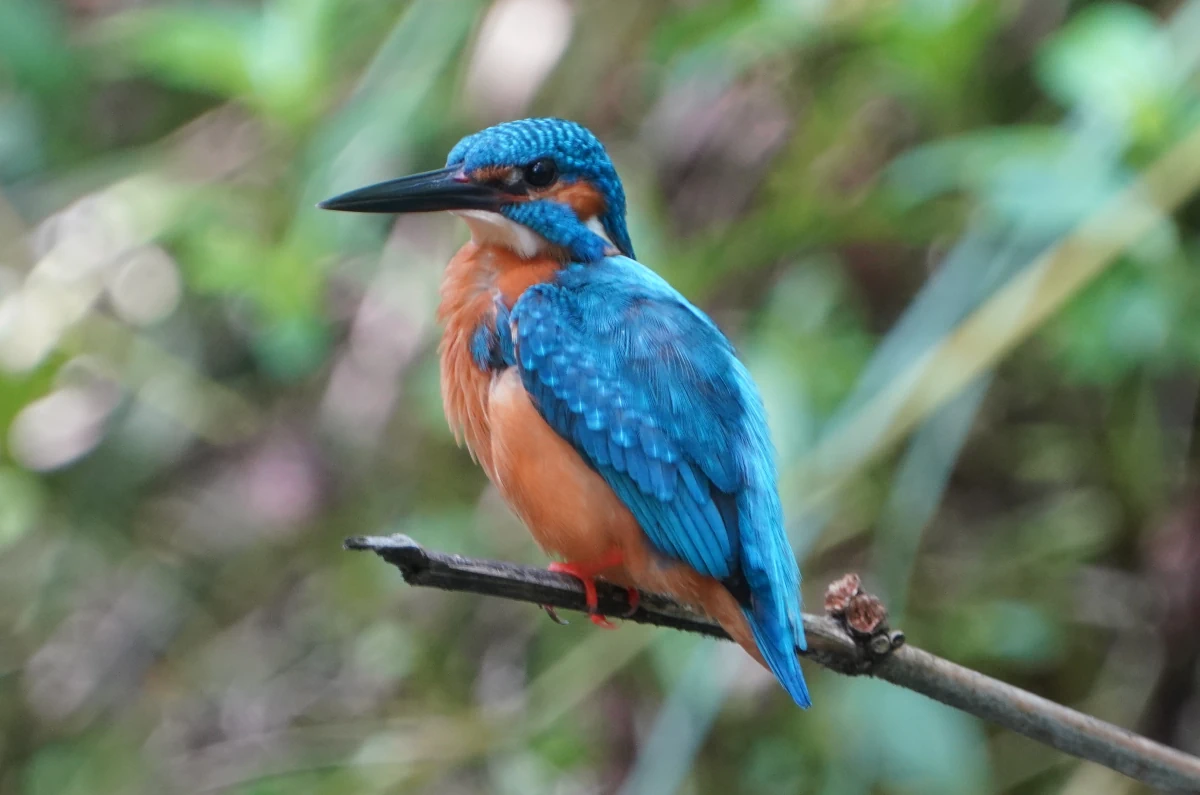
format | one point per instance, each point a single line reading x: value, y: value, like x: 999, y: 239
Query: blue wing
x: 650, y: 393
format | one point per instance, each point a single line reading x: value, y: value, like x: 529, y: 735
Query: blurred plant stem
x: 1007, y: 319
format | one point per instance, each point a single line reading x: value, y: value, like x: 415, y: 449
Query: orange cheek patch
x: 580, y: 196
x: 491, y: 174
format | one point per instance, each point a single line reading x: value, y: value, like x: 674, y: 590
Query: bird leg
x: 586, y: 573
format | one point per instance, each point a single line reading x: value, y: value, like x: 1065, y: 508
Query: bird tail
x: 779, y: 634
x: 771, y: 631
x: 773, y: 612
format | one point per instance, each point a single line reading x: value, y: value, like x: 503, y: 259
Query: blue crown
x: 578, y: 154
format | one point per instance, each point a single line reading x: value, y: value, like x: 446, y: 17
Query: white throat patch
x: 489, y: 228
x: 594, y: 224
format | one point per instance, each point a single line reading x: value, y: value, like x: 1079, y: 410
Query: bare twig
x: 830, y: 645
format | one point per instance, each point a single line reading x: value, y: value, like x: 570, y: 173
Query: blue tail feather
x: 779, y: 642
x: 769, y: 565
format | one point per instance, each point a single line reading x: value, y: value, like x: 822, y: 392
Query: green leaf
x: 34, y: 47
x: 21, y: 149
x: 1007, y: 630
x: 1113, y: 61
x: 1120, y: 323
x: 286, y: 63
x: 21, y: 504
x: 906, y: 742
x: 1031, y: 176
x: 200, y: 48
x: 293, y: 348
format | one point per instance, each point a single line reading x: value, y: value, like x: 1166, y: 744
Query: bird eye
x: 541, y: 173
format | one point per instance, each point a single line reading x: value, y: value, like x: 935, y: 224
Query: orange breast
x: 473, y: 279
x: 569, y: 509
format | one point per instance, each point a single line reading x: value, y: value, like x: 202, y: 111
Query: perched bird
x: 612, y: 415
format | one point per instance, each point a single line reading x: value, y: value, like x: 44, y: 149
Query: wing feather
x: 650, y: 394
x: 617, y: 385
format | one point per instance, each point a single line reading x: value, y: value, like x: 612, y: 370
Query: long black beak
x: 444, y: 189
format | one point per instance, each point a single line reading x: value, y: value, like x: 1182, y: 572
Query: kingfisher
x: 612, y: 415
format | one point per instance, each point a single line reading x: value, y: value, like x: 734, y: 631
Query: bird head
x: 536, y: 186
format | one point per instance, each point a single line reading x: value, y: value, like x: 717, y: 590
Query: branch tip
x: 397, y: 549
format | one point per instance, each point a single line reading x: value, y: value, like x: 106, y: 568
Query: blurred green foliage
x: 205, y: 383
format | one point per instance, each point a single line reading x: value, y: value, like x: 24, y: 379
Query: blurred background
x: 953, y: 240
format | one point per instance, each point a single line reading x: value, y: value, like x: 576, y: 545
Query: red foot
x: 586, y: 574
x: 635, y: 599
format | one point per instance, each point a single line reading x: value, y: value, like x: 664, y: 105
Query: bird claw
x: 635, y: 601
x: 601, y: 621
x: 586, y: 574
x: 550, y: 611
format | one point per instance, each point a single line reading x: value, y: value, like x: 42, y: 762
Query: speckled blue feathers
x: 578, y: 154
x: 651, y: 395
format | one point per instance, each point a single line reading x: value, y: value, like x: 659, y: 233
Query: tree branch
x: 849, y: 642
